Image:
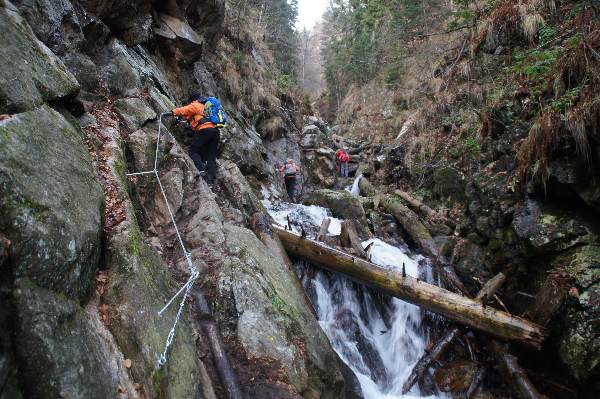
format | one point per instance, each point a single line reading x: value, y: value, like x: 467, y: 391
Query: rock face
x: 52, y: 202
x: 40, y: 76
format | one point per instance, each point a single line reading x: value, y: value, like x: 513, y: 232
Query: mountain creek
x: 459, y: 257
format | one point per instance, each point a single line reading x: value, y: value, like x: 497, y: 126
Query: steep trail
x: 378, y: 337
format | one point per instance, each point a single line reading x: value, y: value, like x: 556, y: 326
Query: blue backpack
x: 213, y: 112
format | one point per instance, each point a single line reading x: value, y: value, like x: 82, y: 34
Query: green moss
x: 158, y: 381
x: 135, y: 239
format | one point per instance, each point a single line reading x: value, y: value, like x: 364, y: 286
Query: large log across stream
x: 430, y: 297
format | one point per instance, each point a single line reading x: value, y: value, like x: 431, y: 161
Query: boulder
x: 547, y: 230
x: 51, y: 202
x: 62, y: 349
x: 54, y: 22
x: 455, y: 376
x: 448, y: 182
x: 342, y: 204
x: 579, y: 343
x: 132, y: 20
x: 30, y: 73
x: 135, y: 112
x: 273, y: 320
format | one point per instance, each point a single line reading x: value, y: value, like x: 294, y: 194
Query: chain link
x: 187, y: 287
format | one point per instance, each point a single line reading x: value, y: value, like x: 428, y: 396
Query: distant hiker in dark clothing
x: 290, y: 171
x: 206, y: 135
x: 343, y: 159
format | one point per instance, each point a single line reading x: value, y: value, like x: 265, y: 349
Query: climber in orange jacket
x: 206, y: 136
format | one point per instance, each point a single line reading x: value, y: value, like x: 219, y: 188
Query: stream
x: 380, y: 338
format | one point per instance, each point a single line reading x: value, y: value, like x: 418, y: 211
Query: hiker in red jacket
x: 343, y: 159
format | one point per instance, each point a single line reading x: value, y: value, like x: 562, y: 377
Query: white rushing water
x: 354, y: 189
x: 380, y: 340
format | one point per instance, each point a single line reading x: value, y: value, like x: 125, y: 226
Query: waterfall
x: 354, y: 189
x: 379, y: 340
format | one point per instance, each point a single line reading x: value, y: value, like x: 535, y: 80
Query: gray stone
x: 448, y: 182
x: 342, y: 204
x: 273, y: 316
x: 135, y: 112
x: 61, y: 349
x: 30, y: 73
x: 547, y: 231
x: 51, y: 202
x: 54, y: 22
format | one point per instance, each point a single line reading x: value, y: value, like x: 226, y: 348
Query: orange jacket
x: 193, y: 112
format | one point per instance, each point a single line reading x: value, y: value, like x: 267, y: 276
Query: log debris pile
x: 453, y: 306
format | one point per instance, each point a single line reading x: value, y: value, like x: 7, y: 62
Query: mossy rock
x: 139, y: 286
x: 51, y: 202
x: 342, y: 204
x: 60, y: 350
x: 273, y: 318
x: 30, y: 74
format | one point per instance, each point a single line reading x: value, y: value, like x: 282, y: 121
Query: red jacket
x: 342, y: 156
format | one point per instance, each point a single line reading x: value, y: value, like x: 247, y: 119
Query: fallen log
x: 513, y: 373
x: 424, y: 209
x: 428, y: 358
x: 429, y: 297
x: 323, y: 229
x: 349, y: 238
x: 443, y: 343
x: 490, y: 287
x: 261, y: 225
x: 226, y: 373
x: 417, y: 231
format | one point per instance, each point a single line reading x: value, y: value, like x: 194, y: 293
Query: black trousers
x: 203, y: 151
x: 290, y: 186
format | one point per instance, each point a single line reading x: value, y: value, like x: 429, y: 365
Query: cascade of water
x: 354, y: 190
x: 379, y: 340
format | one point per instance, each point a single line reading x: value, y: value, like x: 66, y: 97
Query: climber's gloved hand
x: 168, y: 113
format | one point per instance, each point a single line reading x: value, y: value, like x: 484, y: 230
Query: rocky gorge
x: 88, y: 254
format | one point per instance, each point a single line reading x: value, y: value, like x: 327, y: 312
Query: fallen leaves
x: 102, y: 280
x: 115, y: 210
x: 103, y: 310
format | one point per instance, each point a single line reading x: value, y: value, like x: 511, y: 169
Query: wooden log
x: 455, y: 307
x: 513, y: 373
x: 490, y: 287
x: 226, y: 373
x: 349, y: 238
x: 442, y: 344
x: 428, y: 358
x: 475, y: 386
x: 261, y: 225
x: 411, y: 224
x: 323, y: 229
x: 424, y: 209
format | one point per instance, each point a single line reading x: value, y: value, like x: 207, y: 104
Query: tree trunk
x: 455, y: 307
x: 261, y: 226
x: 424, y: 209
x: 513, y: 373
x: 209, y: 326
x: 349, y: 238
x: 323, y: 229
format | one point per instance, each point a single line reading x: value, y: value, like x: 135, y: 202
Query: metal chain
x: 186, y: 288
